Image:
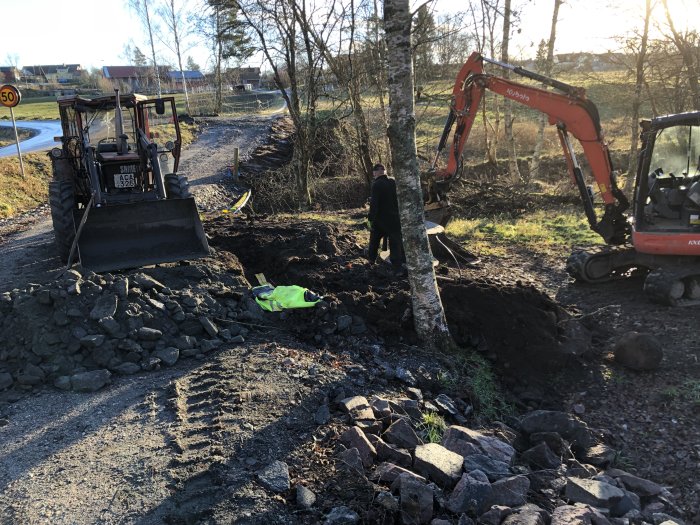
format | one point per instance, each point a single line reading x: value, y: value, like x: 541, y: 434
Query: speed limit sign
x: 9, y: 96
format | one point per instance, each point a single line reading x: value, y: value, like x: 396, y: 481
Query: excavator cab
x: 667, y: 197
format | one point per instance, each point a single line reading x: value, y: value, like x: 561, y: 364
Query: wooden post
x: 235, y: 163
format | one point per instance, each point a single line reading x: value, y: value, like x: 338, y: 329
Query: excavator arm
x: 572, y: 114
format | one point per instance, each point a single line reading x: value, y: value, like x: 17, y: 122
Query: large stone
x: 105, y: 306
x: 275, y: 476
x: 388, y: 472
x: 639, y: 351
x: 443, y: 466
x: 472, y: 494
x: 147, y: 282
x: 322, y: 415
x: 353, y: 437
x: 593, y: 492
x: 493, y: 469
x: 528, y: 514
x: 553, y: 440
x: 510, y: 492
x: 641, y: 487
x: 599, y: 455
x: 358, y: 408
x: 168, y: 355
x: 392, y: 453
x: 567, y: 426
x: 90, y: 381
x: 149, y: 334
x: 5, y: 380
x: 465, y: 441
x: 577, y: 514
x: 401, y: 433
x: 351, y: 458
x: 495, y: 515
x: 341, y: 516
x: 415, y: 500
x: 541, y: 457
x: 209, y: 326
x: 305, y: 497
x: 121, y: 287
x: 102, y: 355
x: 92, y: 340
x: 112, y: 327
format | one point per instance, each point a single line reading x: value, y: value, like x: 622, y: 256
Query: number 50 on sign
x: 9, y: 96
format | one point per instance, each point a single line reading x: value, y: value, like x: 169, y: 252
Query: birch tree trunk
x: 428, y: 315
x: 153, y: 47
x: 637, y: 100
x: 535, y: 163
x: 508, y: 113
x: 175, y: 28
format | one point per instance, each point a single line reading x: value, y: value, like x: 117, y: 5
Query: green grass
x: 433, y: 426
x: 473, y: 373
x: 39, y: 108
x: 686, y: 392
x: 18, y: 194
x: 543, y: 231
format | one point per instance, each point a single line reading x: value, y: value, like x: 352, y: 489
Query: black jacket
x: 383, y: 206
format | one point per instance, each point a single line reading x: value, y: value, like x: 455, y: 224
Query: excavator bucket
x: 141, y: 233
x: 446, y: 250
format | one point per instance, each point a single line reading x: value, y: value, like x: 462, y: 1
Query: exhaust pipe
x: 122, y: 147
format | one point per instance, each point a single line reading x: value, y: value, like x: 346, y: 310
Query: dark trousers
x: 395, y: 246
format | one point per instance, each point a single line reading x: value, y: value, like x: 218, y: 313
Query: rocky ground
x: 166, y: 395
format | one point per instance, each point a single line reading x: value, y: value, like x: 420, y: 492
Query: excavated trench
x: 517, y: 325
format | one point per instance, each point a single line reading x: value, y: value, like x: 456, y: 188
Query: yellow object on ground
x: 276, y: 299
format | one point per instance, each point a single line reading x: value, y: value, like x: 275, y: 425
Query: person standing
x: 384, y: 218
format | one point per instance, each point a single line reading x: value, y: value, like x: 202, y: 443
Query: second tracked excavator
x: 659, y: 233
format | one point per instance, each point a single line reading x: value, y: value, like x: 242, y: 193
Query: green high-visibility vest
x: 283, y: 298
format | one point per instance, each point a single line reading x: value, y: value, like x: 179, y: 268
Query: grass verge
x: 542, y: 231
x: 17, y: 193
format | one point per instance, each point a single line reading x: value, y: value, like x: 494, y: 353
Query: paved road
x: 42, y: 141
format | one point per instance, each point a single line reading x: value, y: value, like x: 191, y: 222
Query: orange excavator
x: 661, y: 235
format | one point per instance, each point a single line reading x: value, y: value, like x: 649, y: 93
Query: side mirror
x: 160, y: 106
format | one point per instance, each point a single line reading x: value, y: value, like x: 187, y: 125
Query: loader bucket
x: 141, y: 233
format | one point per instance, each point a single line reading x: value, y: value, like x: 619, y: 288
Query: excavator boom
x: 571, y: 112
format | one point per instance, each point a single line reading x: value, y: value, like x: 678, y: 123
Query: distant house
x: 10, y: 74
x: 138, y: 79
x: 54, y: 74
x: 193, y: 79
x: 244, y: 75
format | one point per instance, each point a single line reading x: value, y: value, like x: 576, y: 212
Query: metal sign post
x: 10, y: 97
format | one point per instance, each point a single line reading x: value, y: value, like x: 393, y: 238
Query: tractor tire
x: 62, y: 203
x: 177, y: 187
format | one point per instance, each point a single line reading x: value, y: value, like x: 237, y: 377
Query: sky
x: 38, y: 32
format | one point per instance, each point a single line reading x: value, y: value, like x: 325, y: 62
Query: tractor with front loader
x: 116, y: 198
